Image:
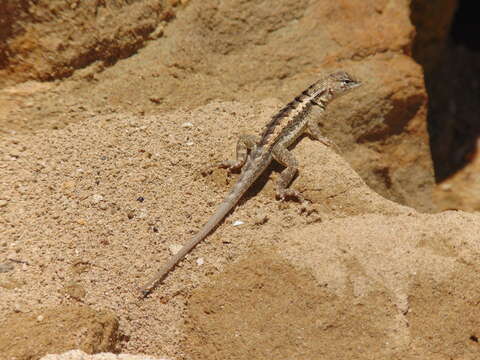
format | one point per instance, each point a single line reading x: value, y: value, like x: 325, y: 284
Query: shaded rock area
x: 29, y: 336
x: 449, y: 50
x: 432, y: 22
x: 109, y: 167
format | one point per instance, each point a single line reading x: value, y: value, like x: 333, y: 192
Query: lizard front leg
x: 314, y: 131
x: 281, y: 154
x: 245, y: 143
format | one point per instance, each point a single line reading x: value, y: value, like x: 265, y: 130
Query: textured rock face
x: 50, y: 39
x: 363, y: 287
x: 30, y: 336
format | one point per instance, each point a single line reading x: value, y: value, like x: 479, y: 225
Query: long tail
x: 225, y: 207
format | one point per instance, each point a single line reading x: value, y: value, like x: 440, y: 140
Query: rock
x: 118, y: 31
x: 96, y: 198
x: 361, y: 287
x: 24, y: 337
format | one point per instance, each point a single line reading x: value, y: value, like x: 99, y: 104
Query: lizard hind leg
x: 281, y: 154
x: 245, y: 143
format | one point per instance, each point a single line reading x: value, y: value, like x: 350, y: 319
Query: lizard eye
x: 350, y: 83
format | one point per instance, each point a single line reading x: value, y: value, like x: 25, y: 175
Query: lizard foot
x: 284, y: 194
x: 231, y: 165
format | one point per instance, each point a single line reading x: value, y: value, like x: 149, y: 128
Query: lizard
x: 254, y: 154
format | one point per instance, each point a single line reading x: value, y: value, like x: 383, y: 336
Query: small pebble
x: 3, y: 203
x: 446, y: 186
x: 200, y: 261
x: 187, y: 125
x: 96, y: 198
x: 158, y: 32
x: 261, y: 219
x: 175, y: 248
x: 40, y: 318
x: 142, y: 214
x: 156, y: 99
x: 238, y: 223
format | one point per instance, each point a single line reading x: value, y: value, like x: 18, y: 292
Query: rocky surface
x: 50, y: 39
x: 362, y: 287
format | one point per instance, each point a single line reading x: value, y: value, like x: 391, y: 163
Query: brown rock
x: 30, y: 336
x: 383, y: 132
x: 83, y: 34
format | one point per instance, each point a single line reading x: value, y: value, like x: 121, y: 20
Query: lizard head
x: 334, y: 85
x: 341, y: 82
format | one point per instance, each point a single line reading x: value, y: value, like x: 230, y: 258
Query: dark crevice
x: 452, y: 79
x: 466, y: 26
